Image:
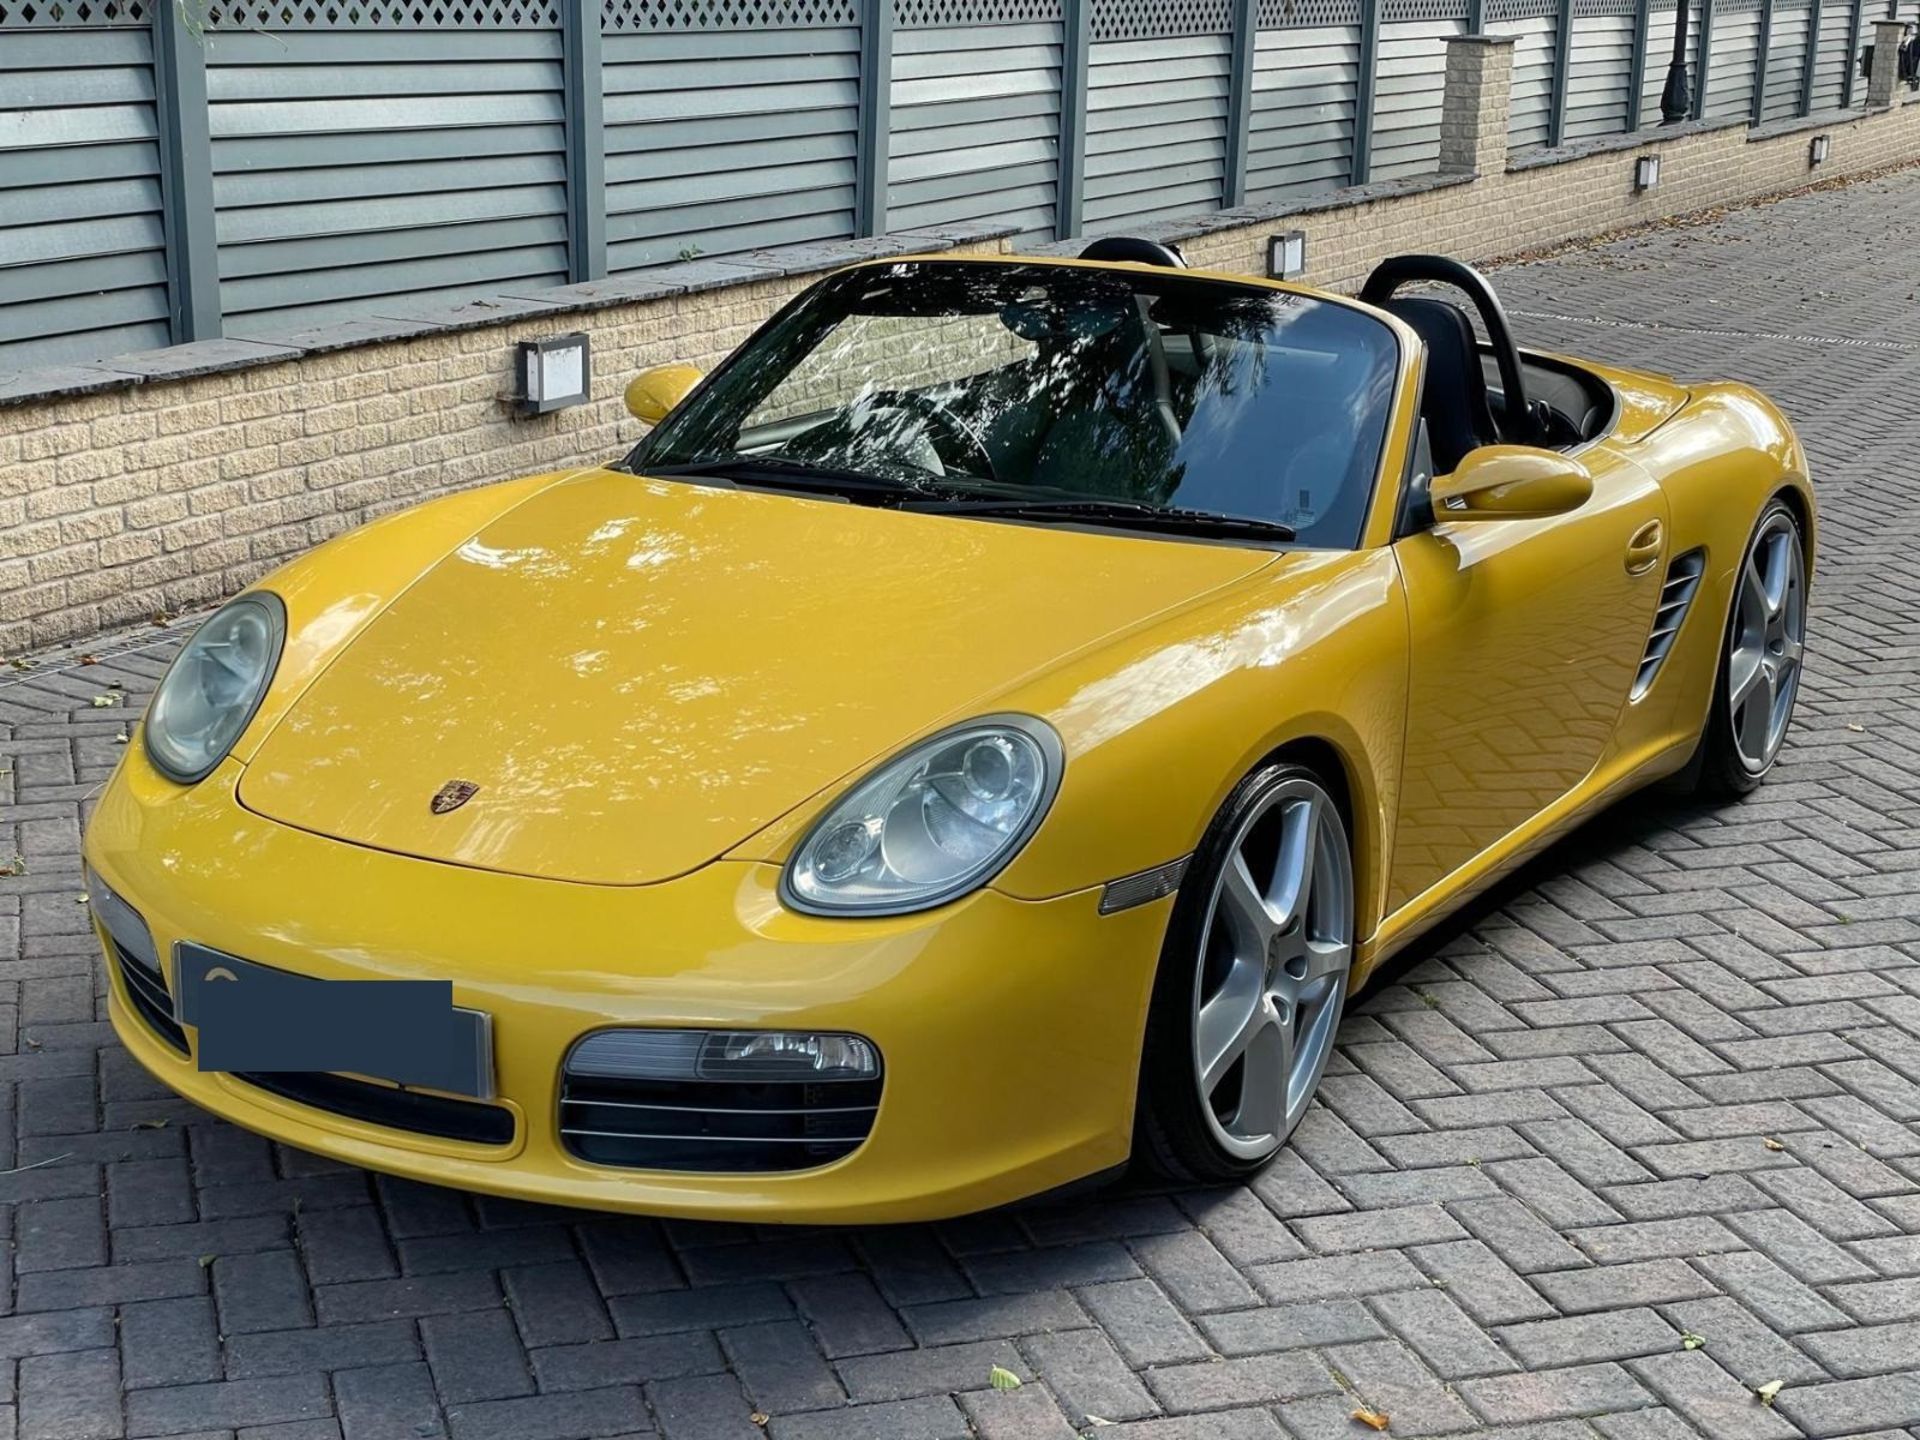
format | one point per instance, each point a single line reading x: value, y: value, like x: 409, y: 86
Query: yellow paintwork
x: 659, y: 686
x: 652, y: 394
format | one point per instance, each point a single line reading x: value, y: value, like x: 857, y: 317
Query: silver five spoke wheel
x: 1768, y: 641
x: 1274, y: 958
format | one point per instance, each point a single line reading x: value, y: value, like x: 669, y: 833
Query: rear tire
x: 1252, y: 981
x: 1757, y: 676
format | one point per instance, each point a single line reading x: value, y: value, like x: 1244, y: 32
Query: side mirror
x: 1511, y: 482
x: 652, y: 393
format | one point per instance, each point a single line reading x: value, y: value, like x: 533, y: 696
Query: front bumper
x: 1010, y: 1030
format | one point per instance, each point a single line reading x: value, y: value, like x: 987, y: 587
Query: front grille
x: 703, y: 1122
x: 397, y: 1109
x: 1676, y: 598
x: 147, y: 989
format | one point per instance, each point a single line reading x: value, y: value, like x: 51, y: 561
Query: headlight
x: 214, y: 685
x: 931, y: 824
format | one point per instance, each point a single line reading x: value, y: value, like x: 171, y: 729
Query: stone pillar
x: 1883, y: 84
x: 1473, y: 107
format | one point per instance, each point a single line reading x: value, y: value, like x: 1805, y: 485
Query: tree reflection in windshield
x: 971, y: 378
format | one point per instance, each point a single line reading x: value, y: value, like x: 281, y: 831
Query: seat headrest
x: 1455, y: 406
x: 1132, y: 248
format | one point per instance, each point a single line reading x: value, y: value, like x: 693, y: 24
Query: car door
x: 1525, y: 638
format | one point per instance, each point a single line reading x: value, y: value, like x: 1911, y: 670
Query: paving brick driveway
x: 1665, y: 1086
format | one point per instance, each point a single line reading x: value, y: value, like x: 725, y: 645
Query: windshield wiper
x: 1128, y: 513
x: 785, y: 473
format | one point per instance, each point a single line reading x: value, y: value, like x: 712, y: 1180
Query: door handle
x: 1644, y: 548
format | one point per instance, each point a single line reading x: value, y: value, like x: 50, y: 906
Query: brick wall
x: 160, y: 496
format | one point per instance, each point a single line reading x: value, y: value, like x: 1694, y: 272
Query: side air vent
x: 1676, y: 598
x: 718, y: 1100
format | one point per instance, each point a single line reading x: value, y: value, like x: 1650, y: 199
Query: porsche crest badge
x: 452, y: 795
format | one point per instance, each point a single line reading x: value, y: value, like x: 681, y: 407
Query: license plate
x: 256, y: 1018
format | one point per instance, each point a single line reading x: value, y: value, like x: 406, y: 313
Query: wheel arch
x: 1356, y: 793
x: 1796, y: 495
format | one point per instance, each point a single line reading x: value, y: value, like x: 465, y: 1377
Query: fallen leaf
x: 760, y: 1418
x: 1096, y: 1422
x: 79, y: 899
x: 1767, y: 1391
x: 105, y: 702
x: 1772, y: 1144
x: 1857, y: 729
x: 1372, y: 1419
x: 122, y: 738
x: 1002, y: 1378
x: 159, y: 1124
x: 1691, y: 1341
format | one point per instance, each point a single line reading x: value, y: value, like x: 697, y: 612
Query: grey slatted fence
x: 1787, y: 55
x: 366, y: 170
x: 1600, y: 68
x: 1535, y: 26
x: 1306, y: 92
x: 976, y: 116
x: 1732, y: 55
x: 175, y: 169
x: 728, y: 127
x: 83, y: 262
x: 1661, y: 19
x: 1156, y: 111
x: 1407, y: 87
x: 1833, y: 61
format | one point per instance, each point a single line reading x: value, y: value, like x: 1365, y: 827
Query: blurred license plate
x: 255, y: 1018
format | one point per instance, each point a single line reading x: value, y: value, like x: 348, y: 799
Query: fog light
x: 1287, y: 255
x: 786, y: 1055
x: 554, y: 373
x: 1817, y: 151
x: 1646, y: 172
x: 740, y: 1056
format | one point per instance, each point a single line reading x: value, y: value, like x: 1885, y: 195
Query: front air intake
x: 1676, y: 598
x: 726, y: 1101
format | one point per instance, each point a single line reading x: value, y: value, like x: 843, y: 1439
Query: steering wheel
x: 938, y: 418
x: 1525, y: 424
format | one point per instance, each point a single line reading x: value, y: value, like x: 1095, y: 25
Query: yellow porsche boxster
x: 981, y: 735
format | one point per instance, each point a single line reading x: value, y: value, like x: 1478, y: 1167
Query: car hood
x: 638, y: 674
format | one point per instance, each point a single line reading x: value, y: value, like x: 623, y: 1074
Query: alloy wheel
x: 1274, y: 959
x: 1769, y: 640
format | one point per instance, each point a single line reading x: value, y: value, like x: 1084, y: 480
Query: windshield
x: 1057, y: 391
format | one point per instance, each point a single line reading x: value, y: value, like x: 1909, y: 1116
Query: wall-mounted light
x: 1287, y: 255
x: 1817, y: 151
x: 1646, y: 172
x: 554, y: 373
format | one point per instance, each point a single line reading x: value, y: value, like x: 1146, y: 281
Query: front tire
x: 1758, y: 674
x: 1252, y: 981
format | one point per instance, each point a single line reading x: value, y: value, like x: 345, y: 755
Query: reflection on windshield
x: 1051, y: 383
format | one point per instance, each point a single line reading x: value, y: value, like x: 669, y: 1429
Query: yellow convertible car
x: 980, y: 735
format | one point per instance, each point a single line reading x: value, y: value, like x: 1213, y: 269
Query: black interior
x: 1484, y: 392
x: 1118, y: 404
x: 1577, y: 405
x: 1454, y: 404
